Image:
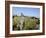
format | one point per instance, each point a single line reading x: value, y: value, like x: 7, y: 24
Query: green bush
x: 28, y: 23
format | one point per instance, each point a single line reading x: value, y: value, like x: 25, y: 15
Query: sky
x: 26, y: 11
